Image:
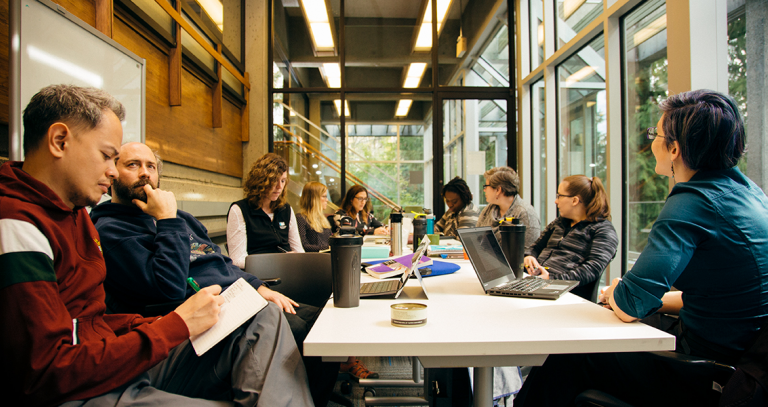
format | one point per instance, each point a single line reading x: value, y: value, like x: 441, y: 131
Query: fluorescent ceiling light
x: 337, y: 102
x: 415, y: 72
x: 332, y: 74
x: 570, y: 7
x: 650, y: 30
x: 579, y: 75
x: 402, y: 107
x: 424, y: 38
x: 66, y: 67
x: 215, y: 11
x: 317, y: 17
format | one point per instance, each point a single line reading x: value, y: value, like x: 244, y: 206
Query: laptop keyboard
x: 525, y: 285
x: 379, y: 287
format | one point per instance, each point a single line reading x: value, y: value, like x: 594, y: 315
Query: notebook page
x: 241, y: 302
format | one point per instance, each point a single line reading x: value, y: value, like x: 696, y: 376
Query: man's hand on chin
x: 160, y: 204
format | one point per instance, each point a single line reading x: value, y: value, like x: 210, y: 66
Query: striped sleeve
x: 25, y: 254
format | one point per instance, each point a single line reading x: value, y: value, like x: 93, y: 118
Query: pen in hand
x: 192, y: 283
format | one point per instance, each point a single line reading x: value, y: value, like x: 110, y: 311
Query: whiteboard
x: 49, y: 46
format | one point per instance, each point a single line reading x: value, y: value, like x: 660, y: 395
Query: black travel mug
x: 513, y: 244
x: 396, y: 233
x: 419, y: 230
x: 345, y: 267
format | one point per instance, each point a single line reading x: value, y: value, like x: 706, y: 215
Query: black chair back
x: 305, y: 277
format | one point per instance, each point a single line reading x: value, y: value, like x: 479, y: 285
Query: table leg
x: 483, y: 383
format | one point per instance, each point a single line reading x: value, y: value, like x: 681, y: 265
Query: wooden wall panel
x: 82, y: 9
x: 184, y: 134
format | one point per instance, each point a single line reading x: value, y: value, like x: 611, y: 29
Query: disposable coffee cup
x: 345, y: 267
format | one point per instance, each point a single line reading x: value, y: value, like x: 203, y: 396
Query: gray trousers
x: 257, y: 365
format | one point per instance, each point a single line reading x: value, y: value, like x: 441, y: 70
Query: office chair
x: 712, y: 375
x: 745, y: 385
x: 304, y: 277
x: 307, y: 278
x: 589, y: 291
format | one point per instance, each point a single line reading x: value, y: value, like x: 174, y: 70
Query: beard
x: 127, y: 193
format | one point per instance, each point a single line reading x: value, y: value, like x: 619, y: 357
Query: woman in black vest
x: 263, y: 222
x: 357, y: 205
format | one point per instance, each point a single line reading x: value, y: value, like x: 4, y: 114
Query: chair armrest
x: 271, y: 282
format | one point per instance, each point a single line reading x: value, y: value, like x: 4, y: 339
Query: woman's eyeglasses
x: 361, y: 199
x: 486, y: 186
x: 651, y: 133
x: 558, y: 196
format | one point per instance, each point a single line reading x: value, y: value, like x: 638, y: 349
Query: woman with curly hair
x: 461, y: 213
x: 357, y: 205
x: 263, y: 222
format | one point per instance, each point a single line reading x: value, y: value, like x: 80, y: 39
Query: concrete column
x: 232, y: 12
x: 256, y: 63
x: 757, y: 81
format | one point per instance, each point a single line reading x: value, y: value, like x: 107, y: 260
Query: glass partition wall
x: 368, y: 74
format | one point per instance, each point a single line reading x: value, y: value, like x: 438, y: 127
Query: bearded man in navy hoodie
x: 151, y: 248
x: 57, y: 345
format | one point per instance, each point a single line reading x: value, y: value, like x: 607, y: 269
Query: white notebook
x: 241, y: 302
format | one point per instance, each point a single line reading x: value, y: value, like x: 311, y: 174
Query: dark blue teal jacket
x: 711, y: 242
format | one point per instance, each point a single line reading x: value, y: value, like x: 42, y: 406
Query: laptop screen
x: 485, y: 252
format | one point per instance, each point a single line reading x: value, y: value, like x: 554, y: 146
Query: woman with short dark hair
x: 462, y: 213
x: 709, y: 241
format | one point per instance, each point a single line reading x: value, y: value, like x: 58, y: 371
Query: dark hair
x: 708, y: 126
x: 351, y: 194
x: 503, y: 177
x: 69, y: 104
x: 460, y: 188
x: 264, y: 173
x: 592, y: 193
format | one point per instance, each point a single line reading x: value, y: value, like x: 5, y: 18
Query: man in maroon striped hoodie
x: 56, y: 343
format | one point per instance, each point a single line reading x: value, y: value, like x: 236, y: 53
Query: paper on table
x: 241, y: 302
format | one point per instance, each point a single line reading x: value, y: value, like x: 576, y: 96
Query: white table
x: 467, y: 328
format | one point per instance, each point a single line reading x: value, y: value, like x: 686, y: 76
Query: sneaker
x: 358, y: 370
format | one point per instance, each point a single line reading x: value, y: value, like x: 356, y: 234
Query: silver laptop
x: 495, y: 274
x: 388, y: 289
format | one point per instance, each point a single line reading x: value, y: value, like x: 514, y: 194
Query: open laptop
x: 495, y: 274
x: 388, y: 289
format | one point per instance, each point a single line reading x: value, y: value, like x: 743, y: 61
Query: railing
x: 306, y: 148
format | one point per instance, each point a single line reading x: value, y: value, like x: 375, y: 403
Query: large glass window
x: 573, y: 16
x: 389, y: 85
x: 536, y: 9
x: 645, y: 65
x: 306, y: 134
x: 737, y: 61
x: 386, y: 150
x: 474, y: 140
x: 581, y: 120
x: 539, y: 148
